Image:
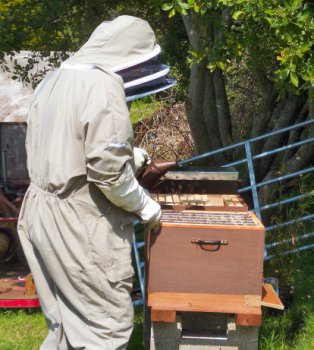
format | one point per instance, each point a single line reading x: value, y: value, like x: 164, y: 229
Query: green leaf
x: 305, y: 47
x: 167, y: 6
x: 306, y: 77
x: 294, y: 79
x: 178, y: 8
x: 184, y: 5
x: 238, y: 15
x: 220, y: 65
x: 172, y: 13
x: 212, y: 66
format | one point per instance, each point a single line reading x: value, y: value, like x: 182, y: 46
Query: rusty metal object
x: 4, y: 245
x: 30, y: 289
x: 153, y: 172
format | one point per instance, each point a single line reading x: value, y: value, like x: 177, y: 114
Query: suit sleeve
x: 108, y: 137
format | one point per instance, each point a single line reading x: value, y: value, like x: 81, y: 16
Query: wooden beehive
x: 210, y: 261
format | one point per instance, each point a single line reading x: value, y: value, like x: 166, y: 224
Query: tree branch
x: 292, y: 106
x: 296, y: 134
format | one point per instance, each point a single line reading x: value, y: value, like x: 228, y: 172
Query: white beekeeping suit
x: 75, y: 222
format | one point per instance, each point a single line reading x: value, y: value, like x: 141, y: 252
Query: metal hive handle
x: 210, y: 242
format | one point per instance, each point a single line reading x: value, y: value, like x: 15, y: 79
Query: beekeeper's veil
x: 126, y: 46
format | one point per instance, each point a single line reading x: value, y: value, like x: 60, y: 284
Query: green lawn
x: 24, y: 330
x: 292, y: 329
x: 21, y: 330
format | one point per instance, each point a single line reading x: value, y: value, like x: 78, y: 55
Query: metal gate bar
x: 254, y: 186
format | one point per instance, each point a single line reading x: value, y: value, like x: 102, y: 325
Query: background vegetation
x: 244, y: 67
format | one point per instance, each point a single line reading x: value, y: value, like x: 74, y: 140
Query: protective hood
x: 124, y: 42
x: 126, y: 46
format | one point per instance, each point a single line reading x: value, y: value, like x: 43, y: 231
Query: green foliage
x: 143, y: 109
x: 293, y: 328
x: 43, y: 25
x: 20, y: 330
x: 61, y: 26
x: 276, y: 35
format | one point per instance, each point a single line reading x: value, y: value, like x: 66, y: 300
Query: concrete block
x: 203, y: 331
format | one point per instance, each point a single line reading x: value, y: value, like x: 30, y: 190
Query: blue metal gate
x: 254, y: 187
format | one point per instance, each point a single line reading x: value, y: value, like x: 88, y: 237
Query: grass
x: 293, y: 328
x: 21, y: 330
x: 26, y: 330
x: 143, y: 109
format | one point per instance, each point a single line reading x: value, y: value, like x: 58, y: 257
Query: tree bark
x: 296, y: 134
x: 207, y: 105
x: 200, y: 83
x: 288, y: 114
x: 263, y: 115
x: 223, y: 111
x: 194, y: 108
x: 211, y: 117
x: 210, y: 111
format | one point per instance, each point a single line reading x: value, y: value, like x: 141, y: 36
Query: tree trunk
x: 194, y: 108
x: 223, y: 112
x: 288, y: 115
x: 207, y: 105
x: 210, y: 120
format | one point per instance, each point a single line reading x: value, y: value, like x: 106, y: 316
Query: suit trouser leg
x: 71, y: 327
x: 46, y: 290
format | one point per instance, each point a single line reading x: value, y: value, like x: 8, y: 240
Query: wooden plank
x: 225, y: 208
x: 176, y: 199
x: 163, y: 315
x: 162, y: 199
x: 198, y: 199
x: 233, y: 201
x: 211, y: 202
x: 191, y: 199
x: 214, y: 200
x: 254, y: 320
x: 184, y: 199
x: 168, y: 199
x: 229, y: 227
x: 270, y: 298
x: 198, y: 302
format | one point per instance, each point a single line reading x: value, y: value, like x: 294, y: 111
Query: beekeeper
x: 75, y: 224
